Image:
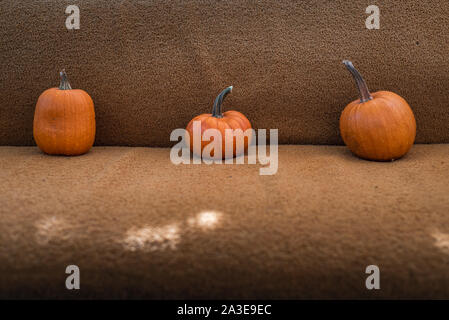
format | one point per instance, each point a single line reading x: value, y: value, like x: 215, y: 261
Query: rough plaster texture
x: 151, y: 66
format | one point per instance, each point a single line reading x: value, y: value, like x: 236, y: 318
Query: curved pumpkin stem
x: 361, y: 84
x: 64, y: 84
x: 216, y: 110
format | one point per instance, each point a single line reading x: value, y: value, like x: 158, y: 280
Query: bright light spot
x: 167, y: 237
x: 152, y: 238
x: 441, y: 241
x: 205, y: 220
x: 50, y: 228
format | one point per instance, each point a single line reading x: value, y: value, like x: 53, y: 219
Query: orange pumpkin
x: 64, y: 120
x: 230, y: 124
x: 380, y: 126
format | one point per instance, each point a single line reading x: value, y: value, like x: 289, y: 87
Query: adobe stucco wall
x: 150, y: 66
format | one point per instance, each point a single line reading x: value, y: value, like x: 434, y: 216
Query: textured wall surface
x: 150, y: 66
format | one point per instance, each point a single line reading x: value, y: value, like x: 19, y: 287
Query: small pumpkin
x: 219, y: 120
x: 380, y: 126
x: 64, y: 120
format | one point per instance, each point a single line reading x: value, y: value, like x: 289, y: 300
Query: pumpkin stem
x: 64, y: 84
x: 216, y: 110
x: 361, y: 84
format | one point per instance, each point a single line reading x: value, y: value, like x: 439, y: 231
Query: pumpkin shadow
x: 347, y: 155
x: 38, y: 151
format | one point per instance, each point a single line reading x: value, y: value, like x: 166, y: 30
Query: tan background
x: 150, y: 66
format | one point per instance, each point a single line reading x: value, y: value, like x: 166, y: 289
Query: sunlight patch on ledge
x: 50, y: 228
x: 441, y: 241
x: 152, y: 238
x: 205, y: 220
x: 168, y: 237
